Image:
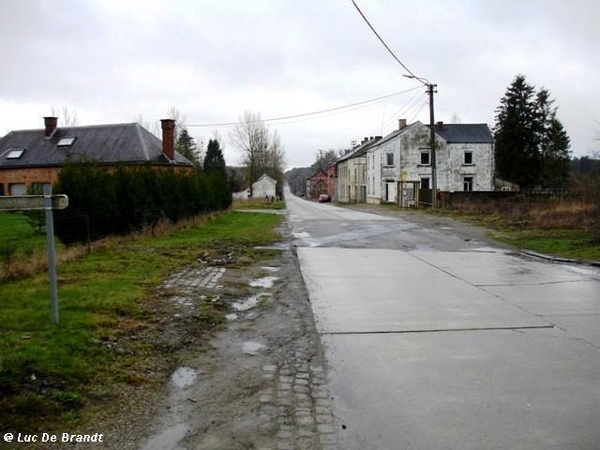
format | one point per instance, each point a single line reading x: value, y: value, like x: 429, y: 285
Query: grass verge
x: 110, y: 320
x: 571, y: 243
x: 257, y: 204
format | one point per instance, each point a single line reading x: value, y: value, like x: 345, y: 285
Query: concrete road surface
x: 437, y: 342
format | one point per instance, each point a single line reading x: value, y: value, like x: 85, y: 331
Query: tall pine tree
x: 532, y: 147
x: 213, y: 160
x: 186, y: 146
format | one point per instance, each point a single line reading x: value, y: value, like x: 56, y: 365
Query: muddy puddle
x: 264, y: 282
x: 183, y: 377
x: 253, y: 347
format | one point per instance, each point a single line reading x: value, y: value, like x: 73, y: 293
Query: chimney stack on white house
x: 401, y: 123
x: 168, y: 138
x: 50, y: 126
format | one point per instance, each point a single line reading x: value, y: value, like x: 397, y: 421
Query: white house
x: 261, y: 188
x: 464, y: 159
x: 352, y: 173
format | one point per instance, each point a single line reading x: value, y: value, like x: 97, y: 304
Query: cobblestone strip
x: 298, y: 406
x: 190, y: 279
x: 188, y: 282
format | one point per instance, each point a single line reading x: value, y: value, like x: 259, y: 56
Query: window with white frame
x: 425, y: 158
x: 425, y: 183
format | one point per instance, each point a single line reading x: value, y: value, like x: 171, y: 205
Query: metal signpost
x: 47, y: 202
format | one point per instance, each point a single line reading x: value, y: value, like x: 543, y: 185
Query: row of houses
x: 393, y: 168
x: 35, y: 157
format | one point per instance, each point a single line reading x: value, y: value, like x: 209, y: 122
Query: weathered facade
x: 464, y: 159
x: 317, y: 184
x: 264, y: 187
x: 352, y: 173
x: 31, y: 157
x: 331, y: 181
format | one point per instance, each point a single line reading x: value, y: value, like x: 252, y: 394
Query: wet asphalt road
x: 434, y: 342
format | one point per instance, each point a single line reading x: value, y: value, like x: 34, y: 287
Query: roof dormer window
x: 66, y: 141
x: 15, y: 153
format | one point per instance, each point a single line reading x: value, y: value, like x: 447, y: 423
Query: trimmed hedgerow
x: 106, y: 201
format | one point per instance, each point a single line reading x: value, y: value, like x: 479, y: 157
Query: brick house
x: 29, y: 157
x: 317, y: 184
x: 331, y: 180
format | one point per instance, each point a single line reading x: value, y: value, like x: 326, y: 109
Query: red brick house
x: 331, y: 180
x: 317, y: 184
x: 30, y: 157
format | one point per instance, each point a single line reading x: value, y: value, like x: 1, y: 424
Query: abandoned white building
x: 352, y: 173
x: 264, y: 187
x: 464, y: 160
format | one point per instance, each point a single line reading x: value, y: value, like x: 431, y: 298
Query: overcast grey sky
x: 114, y: 61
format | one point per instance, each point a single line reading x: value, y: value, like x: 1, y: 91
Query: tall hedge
x: 105, y: 201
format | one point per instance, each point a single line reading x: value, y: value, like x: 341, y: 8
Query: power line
x: 385, y: 45
x: 314, y: 113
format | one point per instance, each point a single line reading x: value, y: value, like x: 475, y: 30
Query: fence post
x: 51, y: 254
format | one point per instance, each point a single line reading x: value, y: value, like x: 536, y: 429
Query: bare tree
x: 251, y: 136
x: 179, y: 118
x: 67, y: 118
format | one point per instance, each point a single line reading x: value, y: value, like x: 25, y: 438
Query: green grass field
x: 47, y: 372
x: 18, y: 238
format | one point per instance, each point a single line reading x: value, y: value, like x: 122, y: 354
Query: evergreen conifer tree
x: 532, y: 147
x: 214, y: 161
x: 186, y: 146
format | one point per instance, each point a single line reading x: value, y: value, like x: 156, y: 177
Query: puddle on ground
x: 252, y: 347
x: 168, y: 439
x: 301, y: 235
x: 265, y: 282
x: 270, y: 269
x: 183, y: 377
x: 281, y: 246
x: 231, y: 317
x: 249, y: 303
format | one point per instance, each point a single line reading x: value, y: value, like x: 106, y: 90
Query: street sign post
x: 31, y: 202
x: 46, y: 202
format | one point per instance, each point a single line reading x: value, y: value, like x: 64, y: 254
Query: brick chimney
x: 168, y: 138
x: 401, y: 123
x: 50, y: 126
x: 439, y: 124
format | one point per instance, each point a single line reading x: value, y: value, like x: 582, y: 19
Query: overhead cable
x: 386, y: 46
x: 314, y: 113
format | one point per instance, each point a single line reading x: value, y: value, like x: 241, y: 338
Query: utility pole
x: 430, y: 90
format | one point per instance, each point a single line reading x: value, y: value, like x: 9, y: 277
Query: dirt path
x: 259, y: 384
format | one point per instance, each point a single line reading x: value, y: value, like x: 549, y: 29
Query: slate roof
x: 128, y: 143
x: 465, y: 133
x: 360, y: 150
x: 395, y: 133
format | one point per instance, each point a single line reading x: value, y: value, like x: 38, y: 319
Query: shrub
x: 106, y: 201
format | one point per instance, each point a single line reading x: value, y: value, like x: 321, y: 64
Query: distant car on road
x: 323, y: 198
